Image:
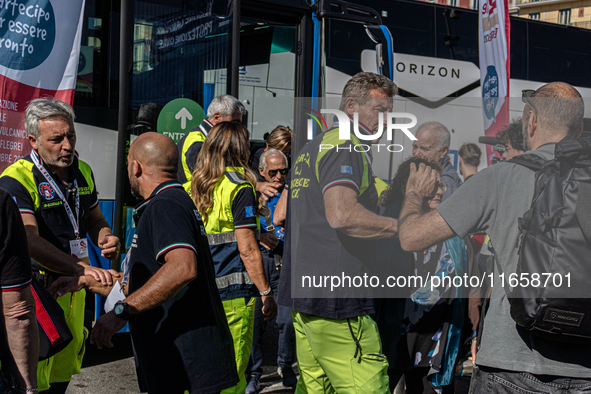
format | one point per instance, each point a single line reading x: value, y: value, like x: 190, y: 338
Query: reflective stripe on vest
x: 226, y: 238
x: 235, y: 278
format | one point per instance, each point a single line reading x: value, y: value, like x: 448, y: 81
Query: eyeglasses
x: 282, y: 171
x: 525, y: 97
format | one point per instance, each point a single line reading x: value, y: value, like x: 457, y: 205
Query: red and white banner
x: 494, y: 29
x: 39, y: 51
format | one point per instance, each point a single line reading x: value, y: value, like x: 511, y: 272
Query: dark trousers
x: 286, y: 343
x: 491, y: 380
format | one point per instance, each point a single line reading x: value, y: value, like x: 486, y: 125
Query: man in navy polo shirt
x: 176, y: 318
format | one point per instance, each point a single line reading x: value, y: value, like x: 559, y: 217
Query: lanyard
x: 125, y: 267
x: 51, y: 181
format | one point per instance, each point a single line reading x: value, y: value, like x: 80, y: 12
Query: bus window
x: 173, y: 47
x: 267, y: 75
x: 93, y: 77
x: 456, y: 34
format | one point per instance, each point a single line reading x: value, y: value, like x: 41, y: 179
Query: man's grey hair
x: 43, y: 108
x: 267, y: 153
x: 359, y: 86
x: 225, y: 105
x: 441, y: 133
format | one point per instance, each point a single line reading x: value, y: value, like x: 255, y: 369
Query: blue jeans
x: 491, y: 380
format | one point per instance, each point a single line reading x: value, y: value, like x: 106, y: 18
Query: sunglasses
x: 525, y: 97
x: 282, y: 171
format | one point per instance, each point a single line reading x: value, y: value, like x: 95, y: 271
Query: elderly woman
x: 432, y: 319
x: 223, y: 188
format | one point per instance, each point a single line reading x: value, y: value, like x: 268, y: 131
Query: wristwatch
x: 121, y: 310
x: 266, y: 292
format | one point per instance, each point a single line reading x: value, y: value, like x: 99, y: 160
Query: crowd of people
x: 221, y: 238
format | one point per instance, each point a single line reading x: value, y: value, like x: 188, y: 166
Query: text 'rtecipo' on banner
x: 39, y: 47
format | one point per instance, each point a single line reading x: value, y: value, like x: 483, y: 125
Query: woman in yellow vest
x: 223, y: 188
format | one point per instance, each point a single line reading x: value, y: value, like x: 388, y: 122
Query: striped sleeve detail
x: 16, y: 287
x: 175, y: 246
x: 246, y: 226
x: 338, y: 181
x: 93, y: 206
x: 23, y: 210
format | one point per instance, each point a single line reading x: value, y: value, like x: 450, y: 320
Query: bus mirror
x: 383, y: 40
x: 379, y: 59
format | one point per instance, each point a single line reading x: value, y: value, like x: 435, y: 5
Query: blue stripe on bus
x: 390, y: 46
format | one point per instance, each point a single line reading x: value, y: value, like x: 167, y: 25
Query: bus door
x: 352, y: 35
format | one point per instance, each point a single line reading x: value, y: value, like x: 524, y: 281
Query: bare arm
x: 251, y: 256
x: 50, y: 257
x: 345, y: 214
x: 22, y: 336
x: 281, y: 210
x: 419, y: 230
x: 178, y: 271
x: 67, y: 284
x: 100, y: 233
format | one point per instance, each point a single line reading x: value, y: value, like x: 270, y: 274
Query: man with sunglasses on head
x: 510, y: 359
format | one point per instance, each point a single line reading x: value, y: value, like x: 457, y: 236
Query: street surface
x: 112, y: 371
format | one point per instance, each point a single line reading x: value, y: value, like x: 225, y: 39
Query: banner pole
x: 125, y: 53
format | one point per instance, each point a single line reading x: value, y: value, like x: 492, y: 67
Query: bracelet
x: 265, y: 293
x: 23, y: 390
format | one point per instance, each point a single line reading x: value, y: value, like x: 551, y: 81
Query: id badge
x: 79, y: 248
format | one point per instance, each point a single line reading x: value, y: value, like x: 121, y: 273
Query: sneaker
x: 254, y: 385
x: 289, y: 377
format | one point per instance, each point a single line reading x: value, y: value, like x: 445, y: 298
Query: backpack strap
x: 583, y: 209
x: 574, y: 150
x: 529, y: 160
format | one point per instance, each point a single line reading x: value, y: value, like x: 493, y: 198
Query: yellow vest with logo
x: 231, y: 276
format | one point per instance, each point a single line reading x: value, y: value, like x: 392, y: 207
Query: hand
x: 105, y: 327
x: 474, y: 350
x: 268, y: 189
x: 110, y: 246
x: 99, y: 274
x: 268, y: 241
x: 422, y: 181
x: 68, y: 284
x: 269, y: 307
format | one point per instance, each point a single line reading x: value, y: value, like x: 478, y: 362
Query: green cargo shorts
x: 339, y: 355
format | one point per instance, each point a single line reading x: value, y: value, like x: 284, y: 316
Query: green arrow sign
x: 178, y: 117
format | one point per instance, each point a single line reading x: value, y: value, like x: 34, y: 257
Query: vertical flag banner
x: 39, y: 52
x: 494, y: 29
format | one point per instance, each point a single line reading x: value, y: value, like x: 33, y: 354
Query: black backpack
x: 556, y: 244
